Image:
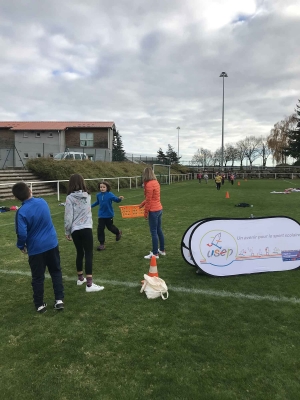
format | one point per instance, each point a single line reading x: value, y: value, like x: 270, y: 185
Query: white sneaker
x: 150, y: 255
x: 162, y: 253
x: 94, y: 288
x: 79, y: 282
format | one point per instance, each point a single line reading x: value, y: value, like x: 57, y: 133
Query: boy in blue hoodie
x: 106, y: 213
x: 37, y: 237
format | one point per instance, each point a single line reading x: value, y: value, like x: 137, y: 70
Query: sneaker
x: 150, y: 255
x: 58, y: 305
x: 162, y: 253
x: 79, y: 282
x: 101, y: 247
x: 42, y: 309
x: 118, y: 236
x: 94, y: 288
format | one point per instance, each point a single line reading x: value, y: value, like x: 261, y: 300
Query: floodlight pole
x: 223, y: 75
x: 178, y: 127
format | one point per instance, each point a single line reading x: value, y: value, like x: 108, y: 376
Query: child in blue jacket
x: 106, y: 213
x: 37, y: 238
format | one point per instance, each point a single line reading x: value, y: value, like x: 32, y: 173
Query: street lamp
x: 178, y: 127
x: 223, y: 75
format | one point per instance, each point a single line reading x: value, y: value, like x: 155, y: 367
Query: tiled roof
x: 53, y: 125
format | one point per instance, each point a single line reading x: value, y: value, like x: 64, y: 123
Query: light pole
x: 223, y: 75
x: 178, y: 127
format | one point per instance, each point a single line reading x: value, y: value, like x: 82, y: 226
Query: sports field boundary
x: 178, y: 289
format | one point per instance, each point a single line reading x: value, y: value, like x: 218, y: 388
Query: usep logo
x: 218, y: 248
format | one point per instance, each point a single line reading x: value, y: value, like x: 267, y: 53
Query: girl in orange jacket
x: 153, y: 212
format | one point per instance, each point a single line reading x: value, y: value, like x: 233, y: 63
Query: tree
x: 293, y: 137
x: 251, y: 148
x: 118, y: 153
x: 264, y: 150
x: 203, y: 157
x: 230, y: 154
x: 172, y: 156
x: 240, y: 151
x: 278, y: 140
x: 161, y: 157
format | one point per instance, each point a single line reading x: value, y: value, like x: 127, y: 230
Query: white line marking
x: 206, y: 292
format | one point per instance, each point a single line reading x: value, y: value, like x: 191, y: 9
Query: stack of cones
x: 227, y: 195
x: 239, y: 183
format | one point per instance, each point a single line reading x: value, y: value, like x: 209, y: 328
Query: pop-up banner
x: 225, y: 247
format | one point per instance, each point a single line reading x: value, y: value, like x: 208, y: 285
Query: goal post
x: 163, y: 173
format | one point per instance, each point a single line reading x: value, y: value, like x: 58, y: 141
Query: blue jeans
x: 154, y: 218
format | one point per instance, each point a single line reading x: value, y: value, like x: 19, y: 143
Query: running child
x: 106, y: 213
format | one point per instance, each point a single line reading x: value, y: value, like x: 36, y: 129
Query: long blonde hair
x: 148, y: 174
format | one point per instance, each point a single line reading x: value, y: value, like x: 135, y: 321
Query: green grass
x: 117, y: 344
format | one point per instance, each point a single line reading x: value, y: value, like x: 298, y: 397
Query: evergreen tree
x: 118, y: 153
x: 293, y: 147
x: 172, y: 156
x: 161, y: 157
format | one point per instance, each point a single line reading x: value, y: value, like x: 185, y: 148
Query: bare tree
x: 264, y: 150
x: 217, y: 157
x: 251, y: 144
x: 230, y: 154
x: 241, y: 151
x: 203, y: 157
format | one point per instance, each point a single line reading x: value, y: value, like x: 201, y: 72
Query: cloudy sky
x: 151, y: 66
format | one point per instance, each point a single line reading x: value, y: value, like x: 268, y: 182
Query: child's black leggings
x: 83, y: 241
x: 109, y: 224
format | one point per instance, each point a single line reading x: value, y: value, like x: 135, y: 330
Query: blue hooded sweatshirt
x: 34, y: 227
x: 104, y: 200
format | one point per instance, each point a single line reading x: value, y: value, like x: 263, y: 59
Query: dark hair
x: 108, y: 187
x: 76, y: 183
x: 21, y: 191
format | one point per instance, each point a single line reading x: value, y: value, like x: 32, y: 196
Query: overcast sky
x: 151, y: 66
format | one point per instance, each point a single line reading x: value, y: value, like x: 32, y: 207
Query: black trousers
x: 109, y: 224
x: 218, y: 185
x: 83, y: 241
x: 38, y: 264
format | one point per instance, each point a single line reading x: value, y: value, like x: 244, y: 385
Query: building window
x: 25, y: 134
x: 50, y: 134
x: 38, y: 134
x: 38, y: 155
x: 25, y: 155
x: 86, y: 140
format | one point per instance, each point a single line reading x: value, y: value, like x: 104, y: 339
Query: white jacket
x: 78, y: 214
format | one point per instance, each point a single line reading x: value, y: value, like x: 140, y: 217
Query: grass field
x: 214, y: 338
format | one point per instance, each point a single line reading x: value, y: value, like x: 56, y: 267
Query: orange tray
x: 133, y: 211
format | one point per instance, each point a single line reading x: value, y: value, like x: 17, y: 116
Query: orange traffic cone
x: 227, y: 195
x: 153, y: 267
x: 239, y: 183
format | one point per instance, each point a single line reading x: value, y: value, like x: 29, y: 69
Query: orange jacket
x: 152, y: 197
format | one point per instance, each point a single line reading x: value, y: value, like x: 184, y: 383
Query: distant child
x: 232, y: 178
x: 218, y: 180
x: 205, y: 176
x: 106, y: 213
x: 223, y: 178
x: 78, y: 226
x: 37, y: 237
x: 199, y: 177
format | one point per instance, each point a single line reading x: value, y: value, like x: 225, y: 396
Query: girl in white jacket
x: 78, y: 227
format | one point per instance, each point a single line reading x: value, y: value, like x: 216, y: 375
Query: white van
x: 71, y: 155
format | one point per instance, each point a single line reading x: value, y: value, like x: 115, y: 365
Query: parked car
x: 71, y: 155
